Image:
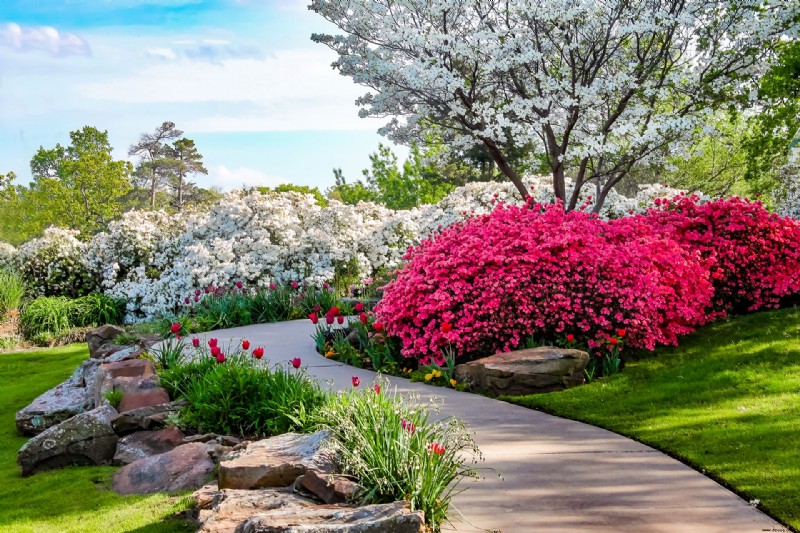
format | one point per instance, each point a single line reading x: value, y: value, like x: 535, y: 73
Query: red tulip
x: 245, y: 344
x: 446, y: 327
x: 408, y: 425
x: 195, y: 342
x: 359, y: 307
x: 333, y: 311
x: 212, y: 342
x: 239, y: 284
x: 313, y: 318
x: 340, y: 319
x: 329, y: 319
x: 258, y: 353
x: 378, y: 326
x: 621, y: 332
x: 215, y: 351
x: 220, y: 357
x: 295, y: 285
x: 356, y: 381
x: 272, y: 286
x: 317, y: 308
x: 377, y: 389
x: 176, y: 328
x: 196, y: 299
x: 435, y: 447
x: 613, y: 341
x: 363, y: 318
x: 295, y: 362
x: 570, y: 338
x: 186, y: 300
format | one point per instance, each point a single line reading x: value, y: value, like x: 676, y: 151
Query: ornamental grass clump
x: 12, y: 291
x: 397, y: 452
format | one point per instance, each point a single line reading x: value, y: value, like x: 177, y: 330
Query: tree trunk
x: 153, y: 193
x: 504, y: 167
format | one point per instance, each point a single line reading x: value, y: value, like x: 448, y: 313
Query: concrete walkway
x: 557, y: 475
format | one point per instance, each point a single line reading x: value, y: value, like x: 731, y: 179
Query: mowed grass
x: 726, y: 401
x: 75, y: 499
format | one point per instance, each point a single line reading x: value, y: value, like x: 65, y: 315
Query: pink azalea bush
x: 754, y: 255
x: 536, y: 270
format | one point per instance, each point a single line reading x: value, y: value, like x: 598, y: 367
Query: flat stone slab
x: 146, y: 418
x: 275, y: 462
x: 330, y: 488
x: 183, y: 468
x: 85, y: 439
x: 522, y: 372
x: 138, y: 399
x: 99, y: 337
x: 60, y: 403
x: 280, y: 510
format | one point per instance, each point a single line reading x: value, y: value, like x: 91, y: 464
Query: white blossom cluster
x: 788, y: 197
x: 155, y: 261
x: 55, y: 263
x: 7, y: 254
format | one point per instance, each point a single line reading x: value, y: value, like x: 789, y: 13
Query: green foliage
x: 243, y: 397
x: 388, y: 442
x: 12, y: 291
x: 725, y: 401
x: 273, y: 305
x: 96, y: 309
x: 170, y: 354
x: 48, y: 502
x: 48, y: 316
x: 114, y: 397
x: 302, y: 189
x: 227, y: 310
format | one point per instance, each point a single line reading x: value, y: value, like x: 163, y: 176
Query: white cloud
x: 43, y: 38
x: 162, y: 53
x: 227, y: 179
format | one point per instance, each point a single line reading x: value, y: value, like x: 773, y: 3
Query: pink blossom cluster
x: 753, y: 255
x: 539, y: 271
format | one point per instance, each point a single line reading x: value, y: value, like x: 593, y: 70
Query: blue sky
x: 240, y: 77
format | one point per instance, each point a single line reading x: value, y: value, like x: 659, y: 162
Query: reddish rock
x: 143, y: 398
x: 145, y: 444
x: 146, y: 418
x: 184, y: 468
x: 330, y: 488
x: 107, y: 373
x: 99, y: 337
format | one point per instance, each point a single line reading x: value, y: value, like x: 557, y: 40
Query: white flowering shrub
x: 56, y: 264
x: 788, y: 196
x: 155, y: 261
x: 7, y: 254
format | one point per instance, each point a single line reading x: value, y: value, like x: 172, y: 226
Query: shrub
x: 55, y: 265
x: 12, y: 290
x: 538, y: 271
x: 46, y: 317
x: 225, y: 310
x: 754, y: 256
x: 244, y: 397
x: 389, y: 444
x: 7, y: 255
x: 96, y: 309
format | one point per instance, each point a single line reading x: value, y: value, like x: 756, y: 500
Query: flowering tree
x: 593, y: 88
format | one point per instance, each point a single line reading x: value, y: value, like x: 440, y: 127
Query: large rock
x: 85, y: 439
x: 280, y: 510
x: 146, y: 444
x: 138, y: 399
x: 146, y: 418
x: 394, y: 517
x: 275, y: 462
x: 133, y: 374
x: 183, y: 468
x: 60, y: 403
x: 330, y: 488
x: 525, y: 371
x: 102, y: 336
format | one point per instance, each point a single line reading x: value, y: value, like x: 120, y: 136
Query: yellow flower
x: 437, y: 374
x: 428, y: 377
x: 453, y: 382
x: 330, y: 354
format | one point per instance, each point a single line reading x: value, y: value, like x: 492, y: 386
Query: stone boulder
x: 146, y: 418
x: 394, y: 517
x: 183, y: 468
x: 522, y: 372
x: 275, y: 462
x: 329, y: 488
x: 138, y: 399
x: 85, y: 439
x: 280, y: 510
x: 146, y: 444
x: 60, y: 403
x: 103, y: 336
x: 128, y: 375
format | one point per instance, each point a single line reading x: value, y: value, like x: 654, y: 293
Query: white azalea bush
x: 155, y: 261
x: 55, y: 264
x: 7, y: 254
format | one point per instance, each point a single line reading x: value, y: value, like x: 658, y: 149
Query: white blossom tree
x: 590, y: 87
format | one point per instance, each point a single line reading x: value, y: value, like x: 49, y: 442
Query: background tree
x: 155, y: 165
x: 79, y: 186
x: 592, y: 89
x: 186, y: 161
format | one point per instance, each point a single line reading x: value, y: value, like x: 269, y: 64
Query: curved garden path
x: 558, y: 475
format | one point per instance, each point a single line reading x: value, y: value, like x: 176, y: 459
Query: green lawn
x: 726, y: 401
x: 75, y: 499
